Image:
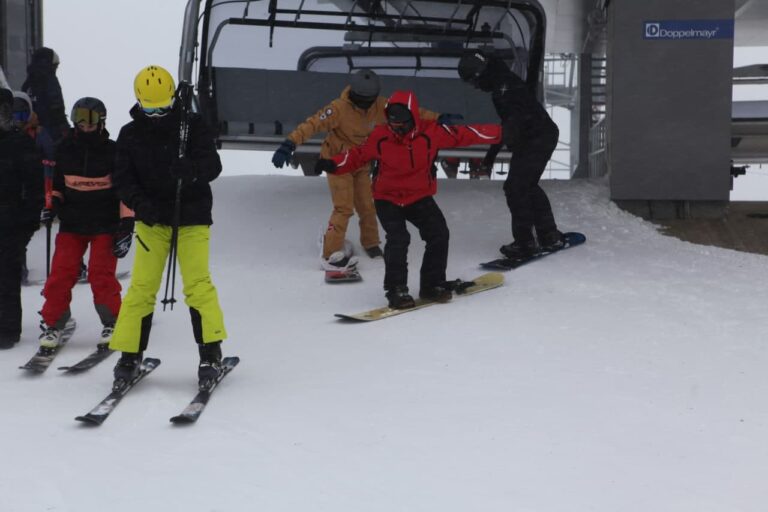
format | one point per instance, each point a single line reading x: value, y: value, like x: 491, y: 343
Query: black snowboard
x: 571, y: 240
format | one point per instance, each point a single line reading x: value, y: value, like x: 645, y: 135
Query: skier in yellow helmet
x: 147, y: 168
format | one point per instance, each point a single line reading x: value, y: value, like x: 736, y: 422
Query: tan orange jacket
x: 347, y: 125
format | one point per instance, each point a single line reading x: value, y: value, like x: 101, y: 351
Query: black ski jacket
x: 145, y: 150
x: 82, y: 180
x: 21, y: 182
x: 525, y: 121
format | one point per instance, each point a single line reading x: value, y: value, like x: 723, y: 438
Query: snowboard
x: 571, y: 240
x: 343, y: 276
x: 479, y: 284
x: 37, y: 282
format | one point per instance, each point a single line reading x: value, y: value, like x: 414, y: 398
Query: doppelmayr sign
x: 688, y: 29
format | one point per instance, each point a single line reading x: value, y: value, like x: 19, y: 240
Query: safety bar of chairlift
x: 264, y: 143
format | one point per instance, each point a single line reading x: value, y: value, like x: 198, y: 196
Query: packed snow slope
x: 628, y: 374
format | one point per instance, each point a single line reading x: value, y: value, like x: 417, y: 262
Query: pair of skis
x: 44, y: 356
x: 191, y: 412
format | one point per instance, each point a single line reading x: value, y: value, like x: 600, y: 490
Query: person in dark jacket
x: 21, y: 198
x: 147, y: 171
x: 406, y: 148
x: 25, y: 120
x: 44, y: 89
x: 531, y: 135
x: 90, y: 216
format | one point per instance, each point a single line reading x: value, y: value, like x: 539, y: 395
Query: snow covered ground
x: 628, y: 374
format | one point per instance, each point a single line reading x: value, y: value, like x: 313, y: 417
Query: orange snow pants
x: 351, y: 193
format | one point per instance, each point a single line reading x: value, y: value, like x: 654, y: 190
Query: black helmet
x: 472, y: 66
x: 88, y: 110
x: 399, y: 118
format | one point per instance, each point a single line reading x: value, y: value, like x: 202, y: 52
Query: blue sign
x: 688, y: 29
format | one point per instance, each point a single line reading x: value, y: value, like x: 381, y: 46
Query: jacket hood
x: 408, y: 99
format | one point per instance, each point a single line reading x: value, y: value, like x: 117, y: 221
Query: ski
x: 479, y: 284
x: 571, y: 240
x: 192, y: 412
x: 101, y: 412
x: 343, y: 276
x: 101, y: 353
x: 45, y: 355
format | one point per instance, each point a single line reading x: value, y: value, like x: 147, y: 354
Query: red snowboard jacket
x: 405, y: 172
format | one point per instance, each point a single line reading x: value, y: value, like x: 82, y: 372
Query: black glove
x: 48, y: 214
x: 325, y: 165
x: 185, y: 169
x: 122, y: 238
x: 147, y: 213
x: 449, y: 119
x: 283, y: 153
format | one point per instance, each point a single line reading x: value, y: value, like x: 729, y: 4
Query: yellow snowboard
x: 479, y: 284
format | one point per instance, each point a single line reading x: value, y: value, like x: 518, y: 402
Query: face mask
x: 401, y: 128
x: 363, y: 102
x: 89, y: 137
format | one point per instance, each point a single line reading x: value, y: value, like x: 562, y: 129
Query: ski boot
x: 399, y: 298
x: 49, y: 339
x: 340, y: 261
x: 519, y: 250
x: 106, y: 337
x: 126, y: 369
x: 210, y: 365
x: 8, y: 341
x: 374, y: 252
x: 439, y: 294
x: 551, y: 241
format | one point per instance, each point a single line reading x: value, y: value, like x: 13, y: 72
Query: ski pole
x: 48, y: 183
x: 183, y: 94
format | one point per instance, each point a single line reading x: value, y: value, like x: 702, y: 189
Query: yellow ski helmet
x: 154, y: 87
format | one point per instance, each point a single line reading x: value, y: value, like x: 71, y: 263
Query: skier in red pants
x: 90, y: 215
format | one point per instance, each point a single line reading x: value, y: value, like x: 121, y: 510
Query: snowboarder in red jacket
x: 406, y: 148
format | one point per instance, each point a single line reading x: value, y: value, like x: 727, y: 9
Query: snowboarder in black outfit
x: 21, y: 198
x: 531, y: 135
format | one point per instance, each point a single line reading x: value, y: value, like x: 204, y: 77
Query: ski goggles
x: 87, y: 116
x: 156, y: 112
x: 21, y: 116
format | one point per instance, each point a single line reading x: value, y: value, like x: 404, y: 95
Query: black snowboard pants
x: 527, y: 201
x: 10, y: 285
x: 429, y: 220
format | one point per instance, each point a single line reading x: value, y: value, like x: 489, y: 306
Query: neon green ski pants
x: 152, y: 246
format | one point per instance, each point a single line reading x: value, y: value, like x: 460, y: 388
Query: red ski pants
x: 65, y: 271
